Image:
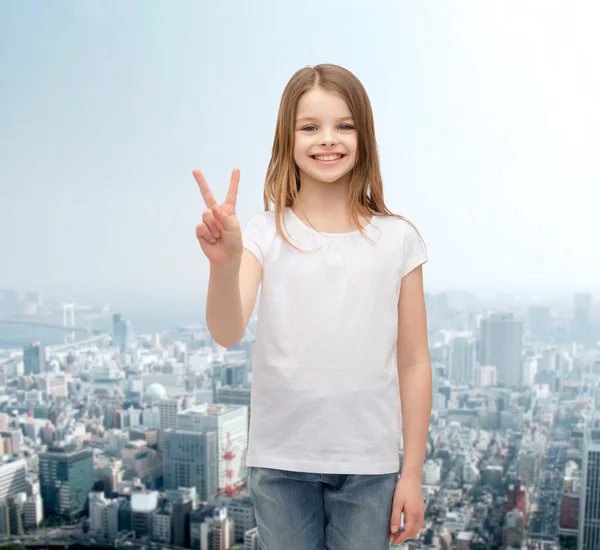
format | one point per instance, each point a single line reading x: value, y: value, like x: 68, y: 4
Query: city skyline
x: 514, y: 420
x: 488, y: 149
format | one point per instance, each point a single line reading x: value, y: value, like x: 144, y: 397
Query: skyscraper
x: 540, y: 322
x: 190, y: 460
x: 462, y: 360
x: 230, y: 423
x: 13, y: 478
x: 589, y: 506
x: 34, y: 358
x: 502, y: 345
x: 122, y: 332
x: 582, y: 319
x: 66, y: 478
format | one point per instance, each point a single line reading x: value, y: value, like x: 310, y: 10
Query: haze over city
x: 487, y: 121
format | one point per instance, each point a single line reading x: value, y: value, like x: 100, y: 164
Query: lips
x: 332, y: 157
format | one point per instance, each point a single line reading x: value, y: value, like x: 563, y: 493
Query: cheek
x: 300, y: 150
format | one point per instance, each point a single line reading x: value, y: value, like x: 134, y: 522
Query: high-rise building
x: 169, y: 408
x: 143, y: 507
x: 540, y: 322
x: 241, y: 511
x: 589, y: 505
x: 502, y: 345
x: 568, y: 521
x: 66, y: 478
x: 162, y: 524
x: 582, y: 319
x: 122, y: 332
x: 34, y: 358
x: 4, y: 518
x: 462, y: 360
x: 229, y: 395
x: 104, y: 515
x: 229, y: 370
x: 190, y: 460
x: 230, y: 423
x: 13, y: 478
x: 198, y: 533
x: 183, y: 502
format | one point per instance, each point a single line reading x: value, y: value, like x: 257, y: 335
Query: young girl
x: 341, y: 339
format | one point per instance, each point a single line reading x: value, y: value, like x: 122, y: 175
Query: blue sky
x: 486, y: 116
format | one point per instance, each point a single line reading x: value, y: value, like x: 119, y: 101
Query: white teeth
x: 328, y: 157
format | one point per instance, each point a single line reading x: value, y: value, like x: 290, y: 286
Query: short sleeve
x: 414, y: 252
x: 253, y: 236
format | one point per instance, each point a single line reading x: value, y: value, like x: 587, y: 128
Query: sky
x: 486, y: 113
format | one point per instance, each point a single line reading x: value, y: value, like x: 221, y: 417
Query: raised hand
x: 219, y: 234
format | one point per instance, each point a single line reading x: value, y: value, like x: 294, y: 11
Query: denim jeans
x: 304, y: 511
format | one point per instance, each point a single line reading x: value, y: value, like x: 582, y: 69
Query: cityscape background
x: 123, y: 424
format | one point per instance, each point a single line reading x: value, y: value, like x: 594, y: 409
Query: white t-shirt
x: 325, y: 395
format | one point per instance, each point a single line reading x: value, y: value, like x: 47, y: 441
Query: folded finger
x: 209, y: 219
x: 203, y: 232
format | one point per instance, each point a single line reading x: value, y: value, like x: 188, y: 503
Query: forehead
x: 322, y: 103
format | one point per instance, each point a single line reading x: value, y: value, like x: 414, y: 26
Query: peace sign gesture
x: 219, y: 233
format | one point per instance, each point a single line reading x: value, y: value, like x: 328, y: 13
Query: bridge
x: 47, y: 325
x: 103, y: 338
x: 69, y: 338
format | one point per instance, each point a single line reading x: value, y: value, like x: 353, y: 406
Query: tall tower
x: 502, y: 346
x: 582, y: 319
x: 588, y: 536
x: 462, y: 360
x: 66, y: 478
x: 69, y: 320
x: 230, y: 489
x: 34, y: 358
x: 122, y: 332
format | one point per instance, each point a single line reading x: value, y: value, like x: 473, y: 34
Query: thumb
x: 228, y: 222
x: 395, y: 520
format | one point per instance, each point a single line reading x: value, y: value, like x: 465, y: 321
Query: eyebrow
x: 306, y: 118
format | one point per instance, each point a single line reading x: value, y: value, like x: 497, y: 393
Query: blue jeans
x: 303, y: 511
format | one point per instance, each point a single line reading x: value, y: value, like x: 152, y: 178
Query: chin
x: 326, y: 176
x: 332, y: 179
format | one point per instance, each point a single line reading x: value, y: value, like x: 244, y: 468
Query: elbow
x: 225, y: 339
x: 225, y: 342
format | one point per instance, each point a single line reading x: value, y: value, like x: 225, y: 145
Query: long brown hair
x: 282, y: 183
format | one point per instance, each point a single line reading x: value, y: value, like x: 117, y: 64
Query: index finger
x: 207, y: 195
x: 232, y: 192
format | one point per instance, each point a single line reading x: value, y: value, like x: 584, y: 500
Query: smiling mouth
x: 328, y: 158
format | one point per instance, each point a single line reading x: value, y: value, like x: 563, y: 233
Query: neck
x: 320, y: 200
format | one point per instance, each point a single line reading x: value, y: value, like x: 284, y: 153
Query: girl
x: 341, y: 339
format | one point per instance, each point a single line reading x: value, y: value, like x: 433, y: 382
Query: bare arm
x: 414, y: 372
x: 235, y: 272
x: 232, y: 290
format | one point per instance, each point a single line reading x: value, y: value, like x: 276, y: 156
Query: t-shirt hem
x: 255, y: 250
x: 416, y: 262
x: 320, y: 467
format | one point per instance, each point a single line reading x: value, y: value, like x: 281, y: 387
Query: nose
x: 328, y: 140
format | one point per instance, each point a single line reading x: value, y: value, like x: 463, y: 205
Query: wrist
x: 228, y: 268
x: 411, y: 472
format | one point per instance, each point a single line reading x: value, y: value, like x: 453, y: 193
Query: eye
x: 308, y: 128
x: 346, y: 127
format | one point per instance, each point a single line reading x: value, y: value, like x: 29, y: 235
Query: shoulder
x: 402, y: 235
x: 258, y: 231
x: 399, y: 226
x: 263, y: 219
